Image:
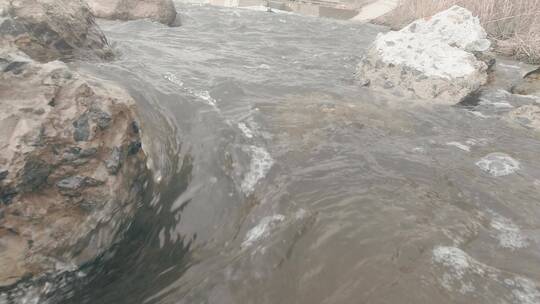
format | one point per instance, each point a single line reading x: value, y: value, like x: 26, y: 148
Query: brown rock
x: 47, y: 30
x: 58, y: 193
x: 162, y: 11
x: 530, y: 84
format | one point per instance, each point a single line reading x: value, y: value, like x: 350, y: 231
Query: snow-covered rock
x: 431, y: 58
x: 162, y: 11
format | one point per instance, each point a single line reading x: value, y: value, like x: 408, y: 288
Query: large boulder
x: 162, y: 11
x: 530, y: 84
x: 431, y: 59
x: 47, y: 30
x: 71, y: 166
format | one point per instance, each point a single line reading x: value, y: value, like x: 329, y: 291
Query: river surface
x: 278, y: 179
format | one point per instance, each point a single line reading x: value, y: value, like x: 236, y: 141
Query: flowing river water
x: 278, y: 179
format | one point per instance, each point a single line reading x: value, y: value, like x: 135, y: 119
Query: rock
x: 73, y: 185
x: 3, y: 174
x: 162, y: 11
x: 58, y: 195
x: 47, y: 30
x: 527, y: 116
x: 114, y: 163
x: 530, y: 84
x: 432, y: 59
x: 34, y: 174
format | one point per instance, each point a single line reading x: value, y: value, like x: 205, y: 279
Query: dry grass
x: 514, y: 25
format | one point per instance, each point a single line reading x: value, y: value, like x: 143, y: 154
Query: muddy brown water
x: 277, y: 179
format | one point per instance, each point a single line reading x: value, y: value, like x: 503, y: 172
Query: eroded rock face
x: 48, y: 30
x: 71, y: 166
x: 162, y: 11
x: 530, y: 84
x: 431, y: 59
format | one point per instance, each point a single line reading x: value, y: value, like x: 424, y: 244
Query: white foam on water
x: 172, y: 78
x: 459, y: 146
x: 245, y: 130
x: 508, y: 233
x: 477, y: 141
x: 466, y: 275
x: 527, y: 292
x: 162, y: 238
x: 498, y: 164
x: 205, y: 96
x: 496, y: 104
x: 479, y: 114
x: 454, y: 258
x: 262, y: 229
x: 261, y: 162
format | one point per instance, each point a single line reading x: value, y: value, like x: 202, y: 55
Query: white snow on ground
x: 498, y: 164
x: 261, y: 162
x: 262, y: 229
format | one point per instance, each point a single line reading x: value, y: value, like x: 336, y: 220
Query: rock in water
x: 48, y: 30
x: 530, y: 84
x: 527, y: 116
x: 162, y: 11
x: 60, y: 202
x: 431, y: 59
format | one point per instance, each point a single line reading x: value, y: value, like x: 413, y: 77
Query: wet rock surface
x: 47, y: 30
x: 530, y: 84
x: 527, y: 116
x: 162, y: 11
x: 435, y: 60
x: 57, y: 190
